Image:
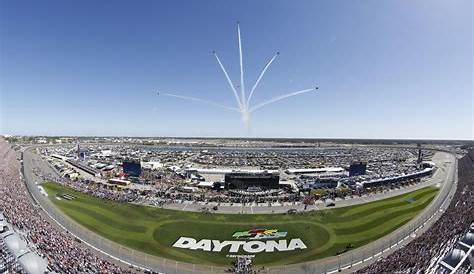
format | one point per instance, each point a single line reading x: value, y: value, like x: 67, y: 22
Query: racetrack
x: 326, y: 232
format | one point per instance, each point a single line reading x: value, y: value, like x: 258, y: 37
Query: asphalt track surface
x: 444, y: 177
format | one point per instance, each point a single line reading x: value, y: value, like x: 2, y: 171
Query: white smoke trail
x: 260, y: 77
x: 199, y: 100
x: 229, y: 82
x: 281, y: 97
x: 242, y: 85
x: 243, y: 103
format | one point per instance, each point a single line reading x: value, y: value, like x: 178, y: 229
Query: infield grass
x: 154, y: 230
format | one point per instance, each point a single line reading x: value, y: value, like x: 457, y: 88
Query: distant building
x: 82, y: 155
x: 245, y: 180
x: 420, y: 155
x: 314, y: 170
x: 428, y: 170
x: 83, y: 167
x: 119, y: 182
x: 357, y: 169
x: 321, y: 183
x: 132, y: 168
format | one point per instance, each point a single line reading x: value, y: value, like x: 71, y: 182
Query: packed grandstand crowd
x: 63, y: 253
x: 422, y: 254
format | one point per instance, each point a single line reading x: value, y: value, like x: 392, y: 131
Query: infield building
x: 245, y: 180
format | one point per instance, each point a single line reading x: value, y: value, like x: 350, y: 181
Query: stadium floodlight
x: 243, y: 101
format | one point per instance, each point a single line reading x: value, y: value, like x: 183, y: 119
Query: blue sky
x: 386, y: 69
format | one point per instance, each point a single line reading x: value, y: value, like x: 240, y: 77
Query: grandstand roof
x: 15, y: 244
x: 32, y: 263
x: 454, y: 257
x: 468, y: 239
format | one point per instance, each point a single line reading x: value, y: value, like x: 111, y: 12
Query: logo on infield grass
x: 252, y: 246
x: 259, y: 234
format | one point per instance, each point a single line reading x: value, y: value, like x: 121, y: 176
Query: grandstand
x: 29, y: 243
x: 428, y: 170
x: 246, y: 180
x: 446, y: 247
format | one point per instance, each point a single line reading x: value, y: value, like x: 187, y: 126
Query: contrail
x: 199, y: 100
x: 229, y: 81
x: 260, y: 77
x: 243, y: 102
x: 281, y: 97
x: 242, y: 85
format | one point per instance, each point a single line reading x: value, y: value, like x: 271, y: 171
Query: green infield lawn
x: 154, y: 230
